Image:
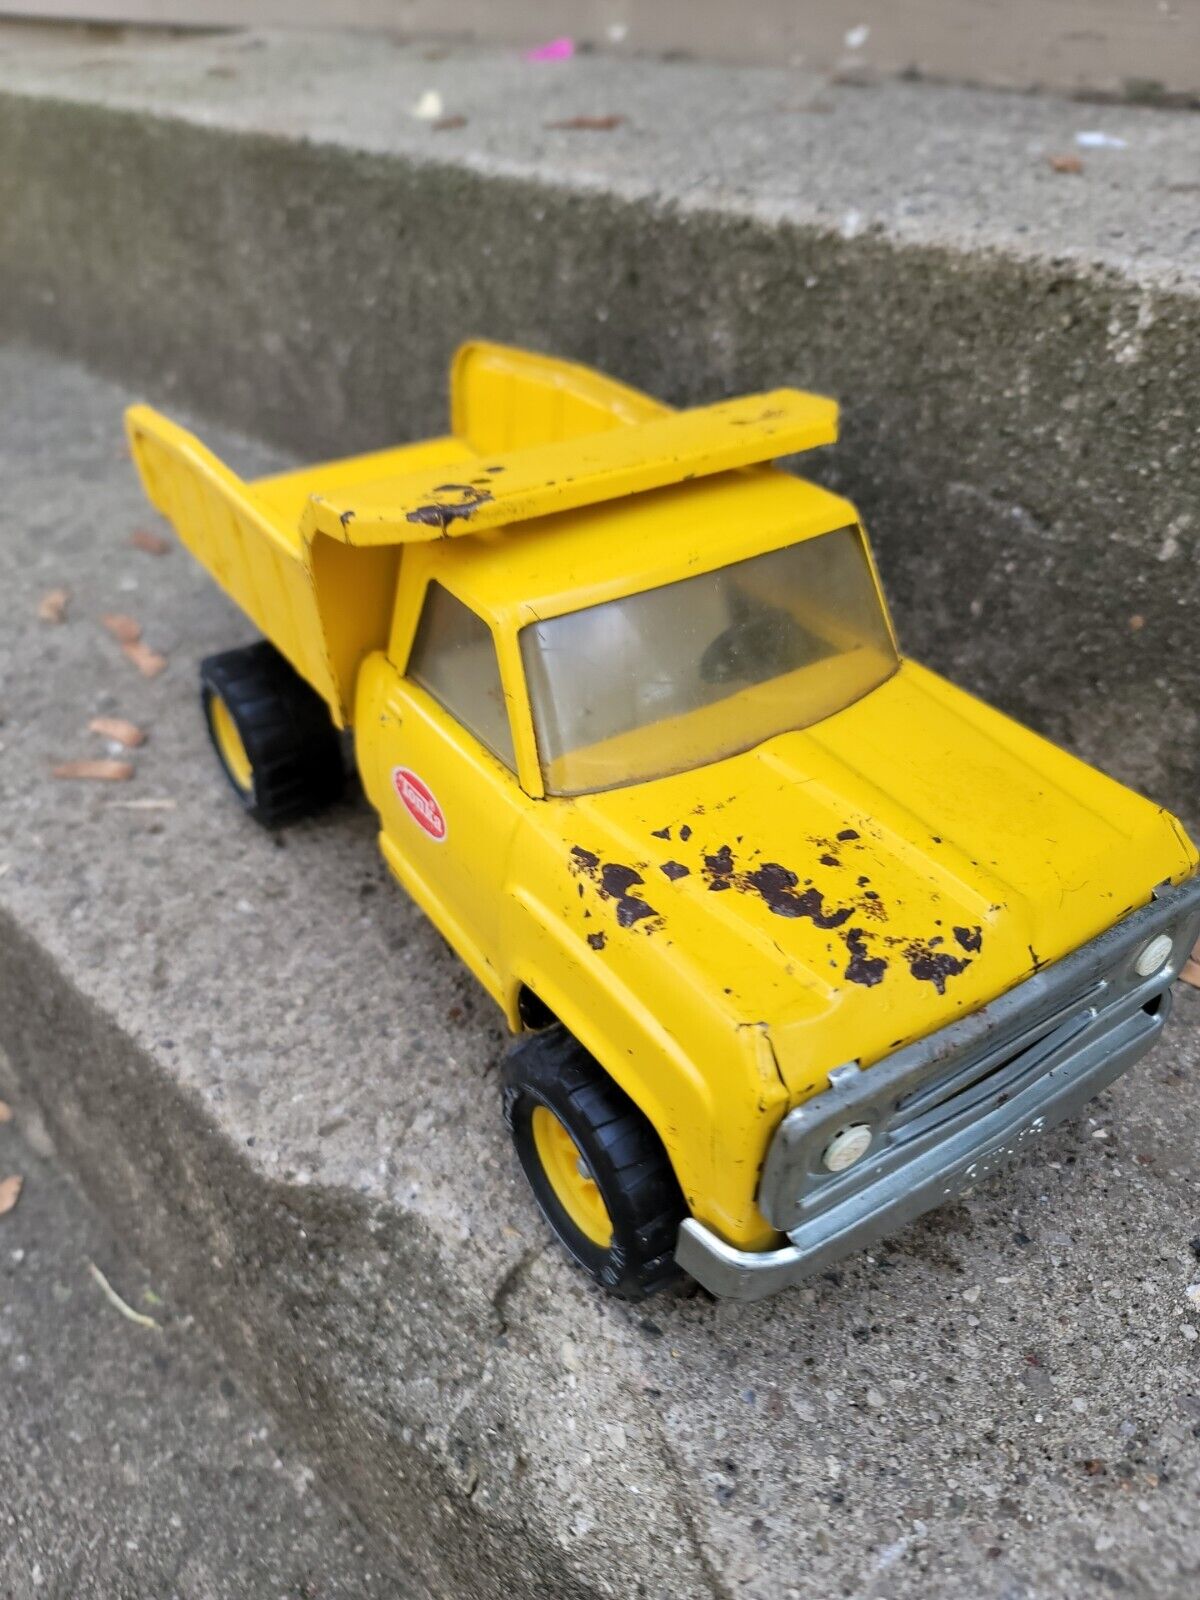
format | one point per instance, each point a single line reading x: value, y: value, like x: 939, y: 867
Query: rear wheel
x: 272, y: 733
x: 595, y: 1164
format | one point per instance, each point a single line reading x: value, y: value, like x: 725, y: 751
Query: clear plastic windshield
x: 679, y: 676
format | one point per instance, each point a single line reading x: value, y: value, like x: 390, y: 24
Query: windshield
x: 682, y: 675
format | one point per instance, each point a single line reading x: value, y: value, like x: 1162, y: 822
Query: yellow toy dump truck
x: 798, y: 938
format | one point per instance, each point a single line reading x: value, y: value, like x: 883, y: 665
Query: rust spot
x: 596, y: 940
x: 616, y: 881
x: 719, y: 867
x: 675, y: 869
x: 862, y: 968
x: 440, y: 514
x: 777, y: 885
x: 931, y: 965
x: 970, y: 938
x: 584, y: 860
x: 848, y: 833
x: 685, y: 833
x: 872, y: 906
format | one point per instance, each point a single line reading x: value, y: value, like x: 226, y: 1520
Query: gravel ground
x: 131, y: 1463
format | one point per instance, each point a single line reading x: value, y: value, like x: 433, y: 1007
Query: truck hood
x: 858, y: 884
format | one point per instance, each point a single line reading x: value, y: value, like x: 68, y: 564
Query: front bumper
x: 952, y: 1108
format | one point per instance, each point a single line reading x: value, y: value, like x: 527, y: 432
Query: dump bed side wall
x: 262, y: 565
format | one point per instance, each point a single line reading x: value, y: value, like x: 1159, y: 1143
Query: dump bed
x: 313, y: 556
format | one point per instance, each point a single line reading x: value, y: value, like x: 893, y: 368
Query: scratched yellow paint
x: 723, y: 937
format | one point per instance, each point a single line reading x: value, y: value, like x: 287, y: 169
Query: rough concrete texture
x: 281, y: 1085
x: 258, y: 225
x: 134, y: 1464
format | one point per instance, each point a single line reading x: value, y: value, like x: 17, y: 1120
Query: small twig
x: 114, y: 1299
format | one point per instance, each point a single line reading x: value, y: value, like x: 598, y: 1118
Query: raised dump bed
x: 312, y: 556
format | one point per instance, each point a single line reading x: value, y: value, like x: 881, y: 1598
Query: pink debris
x: 553, y: 50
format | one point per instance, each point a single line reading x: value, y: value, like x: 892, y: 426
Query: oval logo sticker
x: 419, y: 802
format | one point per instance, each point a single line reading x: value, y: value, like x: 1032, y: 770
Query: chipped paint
x: 616, y: 881
x: 674, y: 870
x: 719, y: 868
x: 441, y: 513
x: 862, y: 967
x: 777, y: 885
x: 931, y: 965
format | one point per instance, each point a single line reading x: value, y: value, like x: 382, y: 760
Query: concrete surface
x: 134, y: 1463
x: 1099, y: 47
x: 273, y: 1076
x: 257, y: 225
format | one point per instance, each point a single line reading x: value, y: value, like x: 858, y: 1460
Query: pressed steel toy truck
x: 799, y: 938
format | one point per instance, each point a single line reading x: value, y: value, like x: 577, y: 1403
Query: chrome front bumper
x: 952, y: 1108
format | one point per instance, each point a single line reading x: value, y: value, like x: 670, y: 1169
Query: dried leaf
x: 1191, y: 969
x: 52, y: 607
x: 123, y: 629
x: 603, y: 124
x: 117, y: 729
x: 1065, y: 163
x: 10, y: 1193
x: 148, y: 662
x: 152, y: 544
x: 96, y: 771
x: 5, y: 1111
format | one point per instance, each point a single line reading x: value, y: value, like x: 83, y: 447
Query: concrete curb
x: 258, y: 227
x: 267, y: 1068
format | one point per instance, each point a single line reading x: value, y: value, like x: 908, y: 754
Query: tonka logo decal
x: 419, y: 803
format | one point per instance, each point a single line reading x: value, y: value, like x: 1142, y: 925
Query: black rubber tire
x: 293, y: 747
x: 625, y: 1155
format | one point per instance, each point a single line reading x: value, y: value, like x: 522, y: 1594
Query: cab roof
x: 563, y: 562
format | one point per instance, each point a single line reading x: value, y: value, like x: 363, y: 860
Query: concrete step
x: 134, y: 1462
x: 258, y: 225
x: 282, y: 1088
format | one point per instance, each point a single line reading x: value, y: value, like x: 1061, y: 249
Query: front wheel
x: 595, y: 1164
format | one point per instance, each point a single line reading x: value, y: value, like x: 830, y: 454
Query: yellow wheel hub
x: 570, y: 1177
x: 229, y: 744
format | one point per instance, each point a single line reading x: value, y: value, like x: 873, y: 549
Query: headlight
x: 847, y: 1146
x: 1154, y: 956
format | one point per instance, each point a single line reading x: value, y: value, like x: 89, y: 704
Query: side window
x: 454, y: 658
